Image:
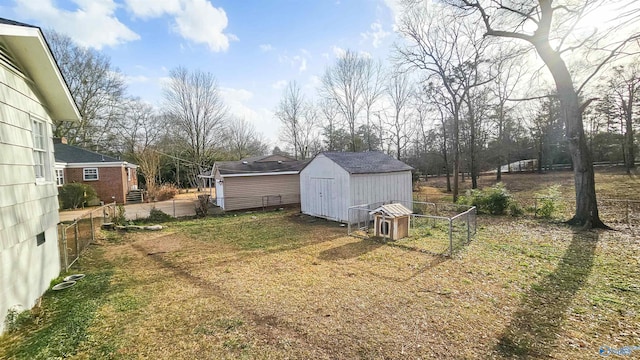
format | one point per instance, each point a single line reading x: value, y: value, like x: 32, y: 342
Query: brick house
x: 113, y: 179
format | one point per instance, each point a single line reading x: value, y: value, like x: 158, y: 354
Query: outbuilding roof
x: 369, y: 162
x: 392, y: 210
x: 258, y: 166
x: 73, y: 155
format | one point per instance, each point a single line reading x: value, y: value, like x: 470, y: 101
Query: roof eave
x: 29, y: 47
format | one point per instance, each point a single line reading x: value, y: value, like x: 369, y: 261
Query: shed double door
x: 322, y: 189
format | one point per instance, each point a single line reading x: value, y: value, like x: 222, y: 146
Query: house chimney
x: 60, y: 140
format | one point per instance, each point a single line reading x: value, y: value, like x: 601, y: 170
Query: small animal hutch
x: 391, y: 221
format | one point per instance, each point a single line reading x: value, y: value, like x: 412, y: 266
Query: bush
x: 515, y: 209
x: 119, y: 218
x: 549, y: 202
x: 495, y: 200
x: 156, y: 215
x: 166, y: 192
x: 74, y: 195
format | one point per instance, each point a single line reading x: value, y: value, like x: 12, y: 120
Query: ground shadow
x: 532, y: 331
x: 350, y: 250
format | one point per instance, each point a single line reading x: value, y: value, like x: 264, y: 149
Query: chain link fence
x: 435, y: 228
x: 617, y: 213
x: 75, y: 237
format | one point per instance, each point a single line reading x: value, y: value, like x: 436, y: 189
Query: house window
x: 59, y: 177
x: 40, y: 239
x: 40, y: 150
x: 90, y: 174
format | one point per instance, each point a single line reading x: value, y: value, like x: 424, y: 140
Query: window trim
x: 41, y: 150
x: 84, y: 174
x: 60, y: 178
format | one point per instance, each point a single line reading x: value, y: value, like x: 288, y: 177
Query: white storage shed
x: 333, y: 181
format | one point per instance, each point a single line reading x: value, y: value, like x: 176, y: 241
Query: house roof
x: 369, y: 162
x: 392, y: 210
x: 258, y: 166
x: 28, y: 47
x: 74, y: 155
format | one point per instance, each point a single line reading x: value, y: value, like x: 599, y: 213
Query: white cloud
x: 93, y: 23
x: 195, y: 20
x: 396, y: 8
x: 377, y: 34
x: 136, y: 79
x: 153, y: 8
x: 296, y: 61
x: 262, y: 118
x: 266, y: 47
x: 279, y: 85
x: 338, y: 51
x: 200, y: 22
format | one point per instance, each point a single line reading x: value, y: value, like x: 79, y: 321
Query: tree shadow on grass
x: 350, y: 250
x: 532, y: 332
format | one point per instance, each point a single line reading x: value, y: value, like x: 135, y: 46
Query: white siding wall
x: 26, y: 209
x: 373, y: 188
x: 324, y: 189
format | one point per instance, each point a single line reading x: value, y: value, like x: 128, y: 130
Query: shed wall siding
x: 319, y: 174
x: 258, y: 191
x: 373, y: 188
x: 26, y: 209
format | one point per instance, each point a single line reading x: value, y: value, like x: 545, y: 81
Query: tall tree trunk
x: 586, y: 214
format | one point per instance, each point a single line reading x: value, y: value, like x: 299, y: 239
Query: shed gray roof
x: 73, y: 155
x: 249, y: 167
x: 369, y: 162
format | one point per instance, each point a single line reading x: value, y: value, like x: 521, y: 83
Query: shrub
x: 549, y: 202
x: 119, y: 218
x: 16, y: 319
x: 156, y: 215
x: 74, y: 195
x: 166, y: 192
x: 515, y: 209
x: 495, y: 200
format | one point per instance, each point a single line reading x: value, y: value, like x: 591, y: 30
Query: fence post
x: 93, y: 230
x: 174, y: 207
x: 627, y: 214
x: 66, y: 251
x: 450, y: 237
x: 75, y: 234
x: 468, y: 228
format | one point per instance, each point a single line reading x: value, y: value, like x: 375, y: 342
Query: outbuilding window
x: 90, y: 174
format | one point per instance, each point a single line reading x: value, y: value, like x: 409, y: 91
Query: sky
x: 253, y: 47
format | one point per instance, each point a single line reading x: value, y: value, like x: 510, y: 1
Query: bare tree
x: 550, y: 27
x: 330, y: 122
x: 96, y: 86
x: 292, y: 111
x: 242, y: 140
x: 624, y: 84
x: 148, y: 159
x: 140, y: 125
x: 344, y: 83
x: 509, y: 73
x: 195, y: 109
x: 399, y: 117
x: 448, y: 50
x: 372, y: 91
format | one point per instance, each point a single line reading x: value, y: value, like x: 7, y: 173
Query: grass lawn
x: 278, y: 285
